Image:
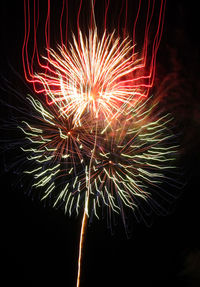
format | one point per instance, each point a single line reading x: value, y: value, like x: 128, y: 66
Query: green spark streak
x: 132, y: 155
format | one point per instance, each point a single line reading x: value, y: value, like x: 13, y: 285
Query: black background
x: 40, y: 245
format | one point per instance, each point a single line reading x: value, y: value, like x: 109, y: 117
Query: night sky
x: 40, y: 244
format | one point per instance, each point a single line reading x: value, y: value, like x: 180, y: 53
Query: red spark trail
x: 95, y: 79
x: 144, y: 78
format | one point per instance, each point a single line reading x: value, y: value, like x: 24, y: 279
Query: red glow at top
x: 140, y: 79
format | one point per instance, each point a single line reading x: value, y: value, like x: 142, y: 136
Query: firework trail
x: 86, y: 168
x: 87, y: 50
x: 96, y: 140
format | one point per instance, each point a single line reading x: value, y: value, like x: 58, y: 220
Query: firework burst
x: 94, y: 76
x: 96, y: 140
x: 117, y: 165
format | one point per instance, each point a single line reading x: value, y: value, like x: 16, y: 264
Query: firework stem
x: 81, y: 241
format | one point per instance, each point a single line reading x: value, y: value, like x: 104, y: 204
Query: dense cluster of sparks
x: 98, y: 141
x: 129, y: 159
x: 94, y: 76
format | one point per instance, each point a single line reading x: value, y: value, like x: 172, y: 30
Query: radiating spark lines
x: 91, y: 78
x: 147, y: 53
x: 129, y: 160
x: 94, y: 139
x: 85, y: 169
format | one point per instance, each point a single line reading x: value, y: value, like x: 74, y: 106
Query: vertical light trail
x: 81, y: 241
x: 85, y: 214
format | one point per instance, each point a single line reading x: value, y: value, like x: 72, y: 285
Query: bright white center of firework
x: 92, y: 77
x: 92, y: 95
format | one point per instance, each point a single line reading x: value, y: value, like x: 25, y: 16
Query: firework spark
x: 116, y: 165
x: 92, y: 77
x: 96, y: 62
x: 87, y: 168
x: 96, y: 141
